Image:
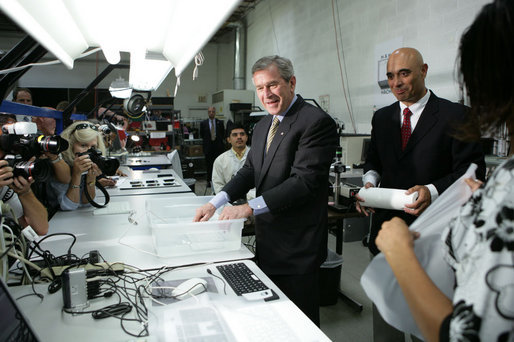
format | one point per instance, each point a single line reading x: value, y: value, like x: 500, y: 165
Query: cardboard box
x: 193, y: 150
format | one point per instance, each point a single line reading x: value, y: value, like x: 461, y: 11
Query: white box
x: 175, y: 234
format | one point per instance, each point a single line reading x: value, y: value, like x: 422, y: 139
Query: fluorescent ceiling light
x: 148, y: 70
x: 120, y: 88
x: 175, y: 30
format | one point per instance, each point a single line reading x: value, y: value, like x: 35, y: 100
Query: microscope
x: 338, y: 167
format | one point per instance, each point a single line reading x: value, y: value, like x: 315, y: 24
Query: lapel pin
x: 281, y: 133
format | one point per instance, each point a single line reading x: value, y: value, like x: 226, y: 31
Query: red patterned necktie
x: 406, y: 129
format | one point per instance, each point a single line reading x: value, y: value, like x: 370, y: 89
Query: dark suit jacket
x: 212, y: 147
x: 293, y: 180
x: 432, y: 155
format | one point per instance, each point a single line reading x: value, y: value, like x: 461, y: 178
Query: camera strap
x: 88, y: 196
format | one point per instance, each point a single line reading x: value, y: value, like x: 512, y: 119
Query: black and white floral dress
x: 480, y: 248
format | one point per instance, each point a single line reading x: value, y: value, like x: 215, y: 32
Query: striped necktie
x: 272, y: 132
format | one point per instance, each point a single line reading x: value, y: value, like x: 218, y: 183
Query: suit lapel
x: 259, y: 143
x: 396, y: 129
x: 426, y: 121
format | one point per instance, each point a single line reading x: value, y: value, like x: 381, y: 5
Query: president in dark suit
x: 413, y: 146
x: 212, y: 131
x: 292, y: 149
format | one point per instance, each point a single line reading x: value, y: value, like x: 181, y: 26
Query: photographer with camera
x: 82, y: 136
x: 16, y: 192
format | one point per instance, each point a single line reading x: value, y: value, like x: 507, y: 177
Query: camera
x: 108, y: 165
x: 39, y: 169
x: 21, y: 138
x: 20, y: 142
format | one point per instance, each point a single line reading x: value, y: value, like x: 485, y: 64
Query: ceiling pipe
x: 239, y: 80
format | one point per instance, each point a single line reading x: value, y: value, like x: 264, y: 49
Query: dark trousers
x: 303, y: 290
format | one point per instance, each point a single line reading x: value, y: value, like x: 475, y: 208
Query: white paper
x: 385, y: 198
x: 378, y: 280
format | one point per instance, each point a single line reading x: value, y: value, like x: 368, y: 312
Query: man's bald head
x: 408, y: 53
x: 406, y: 74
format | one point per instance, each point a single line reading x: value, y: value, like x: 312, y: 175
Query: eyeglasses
x: 84, y: 126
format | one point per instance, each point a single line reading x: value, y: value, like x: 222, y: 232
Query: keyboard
x: 244, y: 282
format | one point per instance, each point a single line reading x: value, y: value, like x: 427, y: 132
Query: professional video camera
x: 108, y: 165
x: 20, y: 143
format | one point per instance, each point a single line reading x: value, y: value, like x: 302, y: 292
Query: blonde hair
x: 84, y: 135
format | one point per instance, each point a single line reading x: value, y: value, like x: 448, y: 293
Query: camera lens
x: 39, y: 169
x: 110, y: 166
x: 52, y: 143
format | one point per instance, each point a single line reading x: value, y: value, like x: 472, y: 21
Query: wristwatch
x: 59, y: 157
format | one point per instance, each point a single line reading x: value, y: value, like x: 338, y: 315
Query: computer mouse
x: 189, y: 288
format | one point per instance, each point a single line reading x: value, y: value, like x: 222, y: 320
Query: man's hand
x: 395, y: 237
x: 474, y: 184
x: 204, y: 213
x: 423, y: 201
x: 361, y: 209
x: 6, y: 174
x: 21, y: 186
x: 236, y: 212
x: 49, y: 155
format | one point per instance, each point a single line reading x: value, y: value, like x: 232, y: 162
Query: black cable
x: 33, y: 294
x: 220, y: 278
x: 112, y: 310
x: 37, y: 244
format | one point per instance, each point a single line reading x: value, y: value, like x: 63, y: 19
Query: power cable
x: 348, y: 105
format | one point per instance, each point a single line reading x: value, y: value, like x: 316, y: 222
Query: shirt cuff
x: 433, y: 192
x: 220, y: 199
x: 372, y: 177
x: 258, y: 205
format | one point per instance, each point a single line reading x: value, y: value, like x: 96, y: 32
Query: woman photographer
x: 480, y: 239
x: 82, y: 136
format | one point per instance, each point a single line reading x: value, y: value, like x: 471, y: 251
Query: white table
x: 118, y: 240
x: 139, y: 182
x: 277, y: 320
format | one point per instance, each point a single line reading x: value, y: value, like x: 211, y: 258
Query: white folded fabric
x: 385, y: 198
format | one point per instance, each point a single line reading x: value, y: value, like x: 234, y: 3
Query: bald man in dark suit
x: 413, y: 148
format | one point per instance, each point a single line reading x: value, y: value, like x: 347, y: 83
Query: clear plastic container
x: 175, y: 234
